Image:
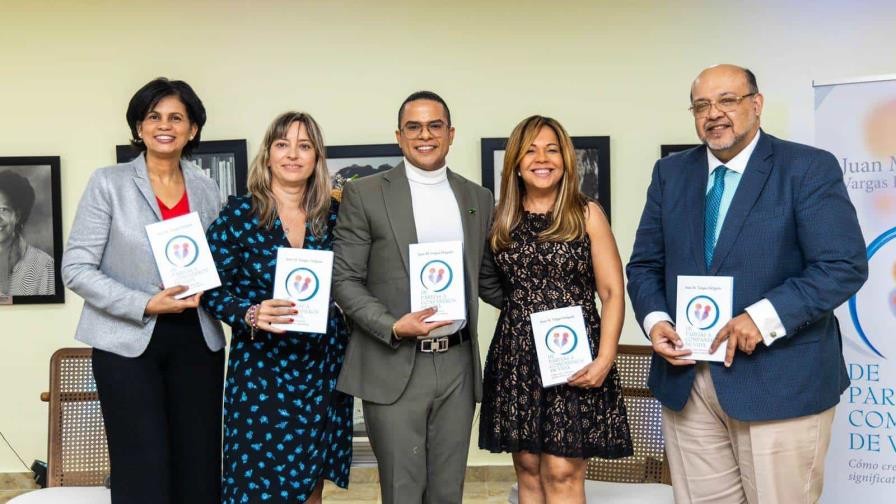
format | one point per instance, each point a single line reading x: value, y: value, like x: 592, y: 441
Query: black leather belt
x: 441, y: 344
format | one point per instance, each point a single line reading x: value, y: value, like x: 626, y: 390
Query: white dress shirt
x: 436, y: 216
x: 762, y: 312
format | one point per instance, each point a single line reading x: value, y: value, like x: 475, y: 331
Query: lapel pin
x: 471, y: 211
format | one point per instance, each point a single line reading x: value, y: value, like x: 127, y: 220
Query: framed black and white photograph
x: 30, y: 231
x: 592, y: 160
x: 225, y: 161
x: 667, y: 149
x: 345, y: 162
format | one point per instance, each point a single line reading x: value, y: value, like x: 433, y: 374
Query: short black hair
x: 751, y: 81
x: 424, y: 95
x: 151, y: 94
x: 20, y: 194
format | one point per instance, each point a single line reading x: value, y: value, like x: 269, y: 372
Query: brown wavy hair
x: 316, y: 201
x: 568, y: 213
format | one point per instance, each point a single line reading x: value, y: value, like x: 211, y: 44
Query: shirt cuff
x: 654, y: 318
x: 767, y: 320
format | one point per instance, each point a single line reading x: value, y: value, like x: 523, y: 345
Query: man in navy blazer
x: 775, y: 216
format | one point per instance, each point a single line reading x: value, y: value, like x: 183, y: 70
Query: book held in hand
x: 704, y: 305
x: 561, y: 341
x: 304, y: 277
x: 437, y: 279
x: 182, y: 254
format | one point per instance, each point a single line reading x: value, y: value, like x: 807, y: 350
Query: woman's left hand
x: 592, y: 375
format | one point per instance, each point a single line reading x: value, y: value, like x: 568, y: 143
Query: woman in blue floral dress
x: 286, y: 427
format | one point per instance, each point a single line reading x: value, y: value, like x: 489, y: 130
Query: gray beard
x: 726, y: 145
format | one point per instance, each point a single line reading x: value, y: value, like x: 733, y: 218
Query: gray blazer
x: 108, y: 260
x: 371, y: 283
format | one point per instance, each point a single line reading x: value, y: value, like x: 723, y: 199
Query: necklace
x: 286, y: 227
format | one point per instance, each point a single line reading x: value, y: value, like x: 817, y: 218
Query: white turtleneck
x: 436, y: 215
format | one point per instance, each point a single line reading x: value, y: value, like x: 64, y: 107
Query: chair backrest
x: 648, y: 464
x: 77, y: 452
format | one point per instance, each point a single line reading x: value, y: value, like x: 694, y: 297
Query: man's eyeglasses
x: 413, y: 130
x: 700, y: 108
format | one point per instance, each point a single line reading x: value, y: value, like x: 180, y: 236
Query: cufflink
x: 773, y: 334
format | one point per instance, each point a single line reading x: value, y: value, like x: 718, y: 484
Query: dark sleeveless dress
x: 518, y: 414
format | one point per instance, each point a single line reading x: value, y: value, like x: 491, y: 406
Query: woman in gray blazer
x: 158, y: 361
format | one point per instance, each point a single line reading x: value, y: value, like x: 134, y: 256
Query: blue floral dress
x: 285, y: 424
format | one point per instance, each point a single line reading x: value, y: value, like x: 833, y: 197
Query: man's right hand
x: 413, y: 325
x: 668, y: 345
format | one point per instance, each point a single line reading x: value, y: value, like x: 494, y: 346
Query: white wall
x: 67, y: 71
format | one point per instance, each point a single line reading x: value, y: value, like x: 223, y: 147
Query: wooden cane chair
x: 648, y: 464
x: 77, y: 454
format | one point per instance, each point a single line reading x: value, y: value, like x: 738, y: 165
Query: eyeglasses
x: 700, y: 108
x: 413, y: 130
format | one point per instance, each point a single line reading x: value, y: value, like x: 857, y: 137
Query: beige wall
x: 67, y: 70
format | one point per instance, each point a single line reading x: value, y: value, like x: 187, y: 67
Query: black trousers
x: 162, y: 412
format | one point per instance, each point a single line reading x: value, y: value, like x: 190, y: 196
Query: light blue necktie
x: 713, y: 203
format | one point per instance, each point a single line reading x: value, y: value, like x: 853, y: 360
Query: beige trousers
x: 717, y: 459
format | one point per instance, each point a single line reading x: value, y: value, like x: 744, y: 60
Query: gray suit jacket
x: 108, y: 260
x: 371, y: 282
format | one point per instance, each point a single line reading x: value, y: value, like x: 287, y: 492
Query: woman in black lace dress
x: 554, y: 249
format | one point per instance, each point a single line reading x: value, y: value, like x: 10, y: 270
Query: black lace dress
x: 518, y: 414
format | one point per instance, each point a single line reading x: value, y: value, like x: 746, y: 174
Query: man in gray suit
x: 418, y: 380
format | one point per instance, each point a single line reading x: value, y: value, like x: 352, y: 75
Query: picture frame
x: 35, y: 278
x: 667, y: 149
x: 592, y: 157
x: 224, y: 161
x: 345, y: 162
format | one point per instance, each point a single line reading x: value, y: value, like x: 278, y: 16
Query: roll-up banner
x: 856, y: 121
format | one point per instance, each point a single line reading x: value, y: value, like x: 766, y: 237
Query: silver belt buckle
x: 434, y: 345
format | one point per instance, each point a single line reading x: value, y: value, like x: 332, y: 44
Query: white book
x: 304, y: 277
x: 703, y: 307
x: 561, y: 341
x: 437, y: 279
x: 182, y: 254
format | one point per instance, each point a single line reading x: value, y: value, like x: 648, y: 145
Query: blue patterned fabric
x: 285, y: 424
x: 713, y: 203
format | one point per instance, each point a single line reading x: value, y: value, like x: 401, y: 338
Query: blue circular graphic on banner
x: 302, y: 284
x: 876, y: 245
x: 702, y: 312
x: 436, y: 275
x: 181, y: 251
x: 561, y: 339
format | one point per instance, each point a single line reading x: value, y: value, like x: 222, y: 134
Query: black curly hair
x: 19, y: 194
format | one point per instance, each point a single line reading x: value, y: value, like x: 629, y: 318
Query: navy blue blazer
x: 791, y: 235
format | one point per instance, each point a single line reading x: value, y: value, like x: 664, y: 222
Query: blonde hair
x: 316, y: 201
x: 568, y: 212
